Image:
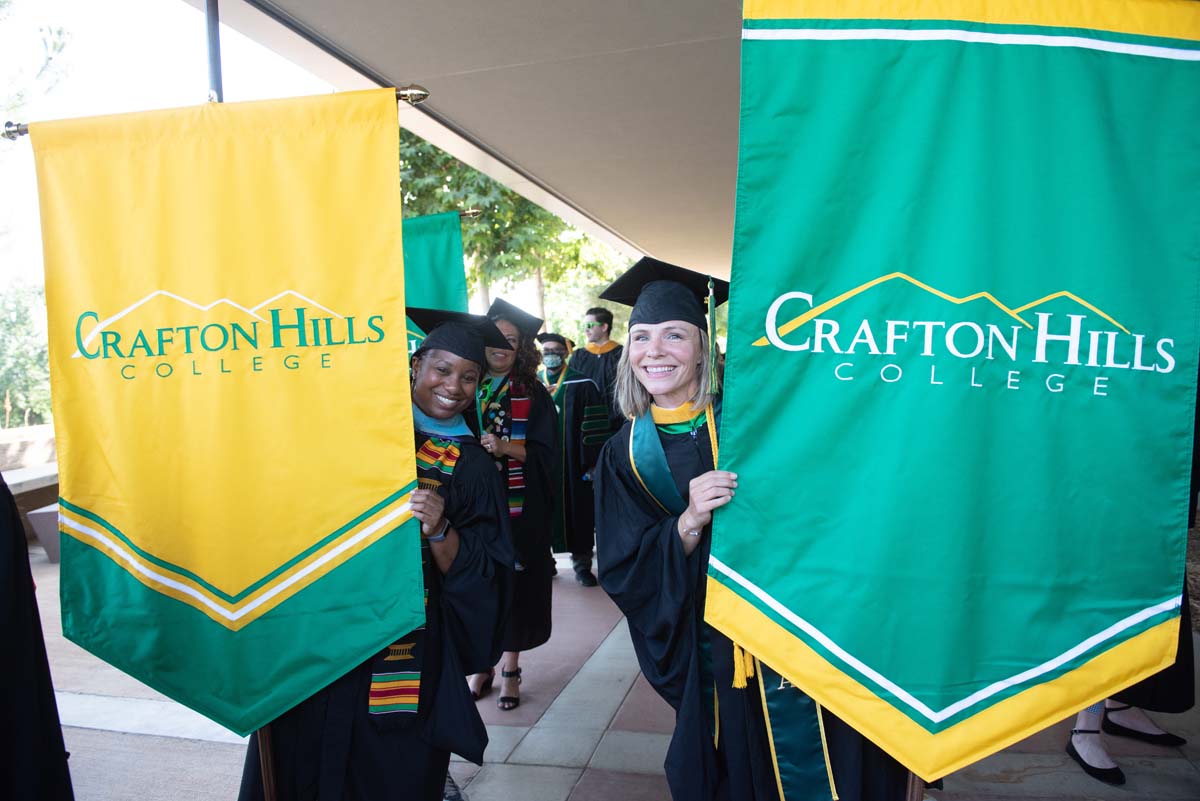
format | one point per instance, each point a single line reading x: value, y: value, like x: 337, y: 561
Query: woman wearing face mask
x: 656, y: 491
x: 517, y: 425
x: 387, y: 728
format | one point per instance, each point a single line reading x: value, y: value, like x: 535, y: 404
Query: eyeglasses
x: 592, y: 325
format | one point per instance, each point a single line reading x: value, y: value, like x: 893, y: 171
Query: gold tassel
x: 739, y: 667
x: 749, y: 665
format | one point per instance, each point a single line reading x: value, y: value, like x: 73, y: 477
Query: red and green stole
x: 503, y: 410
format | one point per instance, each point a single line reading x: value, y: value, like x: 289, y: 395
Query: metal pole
x: 266, y: 760
x: 212, y: 15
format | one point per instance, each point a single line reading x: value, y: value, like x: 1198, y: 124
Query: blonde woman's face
x: 665, y: 358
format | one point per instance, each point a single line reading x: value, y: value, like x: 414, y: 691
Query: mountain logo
x: 1028, y: 334
x: 288, y: 321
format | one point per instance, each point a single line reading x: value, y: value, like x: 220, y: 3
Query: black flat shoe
x: 1165, y: 739
x: 586, y: 578
x: 1114, y: 776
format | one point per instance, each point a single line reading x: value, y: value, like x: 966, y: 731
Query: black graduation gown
x: 331, y: 748
x: 601, y: 368
x: 661, y: 591
x: 583, y: 430
x: 33, y: 766
x: 529, y: 621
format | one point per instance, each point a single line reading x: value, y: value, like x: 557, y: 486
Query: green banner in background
x: 434, y: 276
x: 962, y: 360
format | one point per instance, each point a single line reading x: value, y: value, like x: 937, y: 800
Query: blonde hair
x: 632, y: 398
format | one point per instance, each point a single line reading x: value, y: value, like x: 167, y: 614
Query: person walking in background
x: 518, y: 426
x: 599, y: 358
x: 583, y: 428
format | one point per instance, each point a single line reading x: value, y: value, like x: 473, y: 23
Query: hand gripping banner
x: 962, y: 359
x: 229, y: 377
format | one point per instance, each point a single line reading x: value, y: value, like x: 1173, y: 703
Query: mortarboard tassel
x: 712, y: 335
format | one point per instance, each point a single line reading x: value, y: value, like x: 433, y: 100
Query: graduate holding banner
x: 964, y: 295
x: 386, y: 729
x: 741, y: 732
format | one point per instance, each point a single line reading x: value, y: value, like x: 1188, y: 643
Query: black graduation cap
x: 559, y: 338
x: 464, y: 335
x: 659, y: 292
x: 525, y: 322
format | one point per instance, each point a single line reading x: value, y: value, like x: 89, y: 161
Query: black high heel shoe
x: 1114, y: 776
x: 507, y: 703
x: 486, y: 687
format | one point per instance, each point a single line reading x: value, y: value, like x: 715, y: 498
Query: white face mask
x: 552, y: 361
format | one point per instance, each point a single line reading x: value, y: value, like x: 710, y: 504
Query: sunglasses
x: 592, y: 325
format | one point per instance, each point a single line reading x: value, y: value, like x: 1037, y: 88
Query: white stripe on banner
x: 971, y: 700
x: 240, y: 611
x: 852, y: 34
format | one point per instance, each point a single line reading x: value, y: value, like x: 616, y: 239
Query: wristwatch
x: 441, y: 535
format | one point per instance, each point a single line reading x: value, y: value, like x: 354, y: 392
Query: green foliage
x: 512, y: 237
x: 24, y: 364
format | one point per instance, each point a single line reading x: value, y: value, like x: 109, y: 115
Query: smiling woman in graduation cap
x: 517, y: 425
x: 387, y: 728
x: 657, y: 487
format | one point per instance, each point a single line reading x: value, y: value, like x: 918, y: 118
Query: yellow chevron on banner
x: 990, y: 730
x: 1177, y: 19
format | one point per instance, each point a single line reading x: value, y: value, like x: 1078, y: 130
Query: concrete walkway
x: 589, y: 728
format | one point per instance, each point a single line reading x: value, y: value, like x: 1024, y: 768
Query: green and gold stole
x: 795, y: 732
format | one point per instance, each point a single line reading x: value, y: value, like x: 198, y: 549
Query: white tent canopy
x: 620, y: 116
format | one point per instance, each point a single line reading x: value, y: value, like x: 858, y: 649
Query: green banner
x: 434, y: 277
x: 962, y: 361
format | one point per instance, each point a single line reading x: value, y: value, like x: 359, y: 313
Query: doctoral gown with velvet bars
x: 583, y: 428
x: 661, y: 591
x: 339, y: 745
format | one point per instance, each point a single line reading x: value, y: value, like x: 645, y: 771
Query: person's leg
x: 1086, y: 748
x: 582, y: 562
x: 480, y: 684
x: 510, y: 679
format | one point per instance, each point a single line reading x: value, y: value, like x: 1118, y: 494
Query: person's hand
x: 493, y: 444
x: 429, y: 508
x: 706, y: 492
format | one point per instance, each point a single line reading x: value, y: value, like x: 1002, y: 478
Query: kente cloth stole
x: 396, y: 676
x: 396, y: 671
x: 519, y: 409
x: 505, y: 413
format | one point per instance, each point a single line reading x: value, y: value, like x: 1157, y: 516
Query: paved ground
x: 588, y: 729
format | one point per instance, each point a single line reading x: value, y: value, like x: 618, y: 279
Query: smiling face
x: 500, y: 361
x: 444, y: 384
x: 665, y: 358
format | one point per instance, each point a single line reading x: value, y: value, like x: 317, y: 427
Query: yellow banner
x: 228, y: 358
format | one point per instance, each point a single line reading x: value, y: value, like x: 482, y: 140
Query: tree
x: 24, y: 362
x: 513, y: 239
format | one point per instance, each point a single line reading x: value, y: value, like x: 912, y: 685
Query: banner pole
x: 212, y: 16
x: 266, y: 760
